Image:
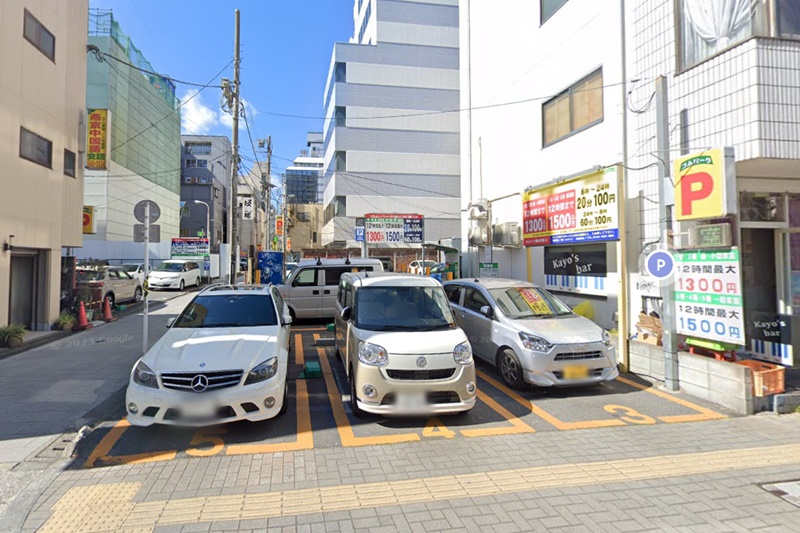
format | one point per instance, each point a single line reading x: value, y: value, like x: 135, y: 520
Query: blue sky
x: 286, y: 48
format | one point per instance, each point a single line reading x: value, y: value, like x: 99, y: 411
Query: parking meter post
x: 147, y: 264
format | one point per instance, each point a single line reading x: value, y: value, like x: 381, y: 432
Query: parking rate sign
x: 708, y: 301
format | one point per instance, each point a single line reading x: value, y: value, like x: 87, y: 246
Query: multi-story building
x: 134, y: 146
x: 392, y: 132
x: 205, y: 174
x: 43, y: 127
x: 304, y: 177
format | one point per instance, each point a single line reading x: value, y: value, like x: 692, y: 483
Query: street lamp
x: 208, y: 236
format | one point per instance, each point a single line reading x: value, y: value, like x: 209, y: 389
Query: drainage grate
x: 787, y: 490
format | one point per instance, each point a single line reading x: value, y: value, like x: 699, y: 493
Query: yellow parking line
x: 517, y: 425
x: 305, y: 436
x: 299, y: 355
x: 703, y: 413
x: 343, y: 426
x: 112, y: 504
x: 102, y: 451
x: 541, y: 413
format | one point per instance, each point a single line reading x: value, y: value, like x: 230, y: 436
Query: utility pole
x: 146, y: 272
x: 285, y: 226
x: 665, y: 205
x: 233, y: 216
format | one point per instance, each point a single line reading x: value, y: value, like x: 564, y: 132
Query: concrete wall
x: 720, y: 382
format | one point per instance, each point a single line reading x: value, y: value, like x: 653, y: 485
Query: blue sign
x: 271, y: 266
x: 359, y: 234
x: 587, y: 236
x: 660, y: 264
x: 413, y: 229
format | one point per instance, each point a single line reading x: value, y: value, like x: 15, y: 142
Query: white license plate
x: 411, y: 401
x: 198, y: 409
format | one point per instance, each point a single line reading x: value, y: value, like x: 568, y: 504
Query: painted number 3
x: 628, y: 415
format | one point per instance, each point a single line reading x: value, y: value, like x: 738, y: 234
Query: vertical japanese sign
x: 96, y: 136
x: 279, y: 225
x: 584, y: 209
x: 88, y: 219
x: 247, y: 207
x: 708, y: 301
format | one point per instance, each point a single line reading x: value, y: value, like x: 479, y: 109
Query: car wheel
x: 357, y: 412
x: 137, y: 295
x: 182, y: 285
x: 294, y: 317
x: 285, y: 406
x: 510, y: 369
x: 110, y: 298
x: 197, y: 282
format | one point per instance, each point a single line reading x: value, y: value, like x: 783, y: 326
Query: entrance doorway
x: 22, y: 300
x: 758, y: 273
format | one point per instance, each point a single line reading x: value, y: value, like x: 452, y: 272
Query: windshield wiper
x: 221, y: 325
x: 434, y: 328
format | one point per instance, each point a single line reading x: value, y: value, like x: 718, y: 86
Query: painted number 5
x: 628, y: 415
x: 204, y: 438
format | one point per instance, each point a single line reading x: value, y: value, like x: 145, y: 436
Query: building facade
x: 304, y: 177
x: 205, y: 174
x: 391, y: 135
x: 137, y: 147
x: 252, y: 217
x: 43, y: 123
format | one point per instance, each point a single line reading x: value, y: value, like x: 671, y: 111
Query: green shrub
x: 12, y: 335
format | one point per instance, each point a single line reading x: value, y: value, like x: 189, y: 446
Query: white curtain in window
x: 718, y: 22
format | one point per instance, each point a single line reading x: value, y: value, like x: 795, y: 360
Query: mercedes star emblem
x: 422, y: 362
x: 199, y: 383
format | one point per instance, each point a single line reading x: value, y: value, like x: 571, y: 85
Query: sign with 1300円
x: 583, y: 209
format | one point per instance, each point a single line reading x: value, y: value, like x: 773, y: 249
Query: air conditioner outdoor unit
x: 506, y: 234
x: 478, y: 236
x: 187, y: 179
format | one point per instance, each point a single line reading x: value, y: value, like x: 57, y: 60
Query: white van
x: 310, y: 290
x: 402, y: 349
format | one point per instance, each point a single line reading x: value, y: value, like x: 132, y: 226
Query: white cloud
x: 196, y: 117
x: 226, y: 119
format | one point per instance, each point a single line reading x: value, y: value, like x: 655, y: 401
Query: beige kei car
x: 401, y: 347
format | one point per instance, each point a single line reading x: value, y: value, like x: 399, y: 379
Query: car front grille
x: 593, y: 373
x: 435, y: 397
x: 576, y: 356
x: 182, y: 381
x: 416, y: 375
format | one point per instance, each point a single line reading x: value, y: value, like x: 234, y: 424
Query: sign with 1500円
x: 394, y: 228
x: 583, y: 209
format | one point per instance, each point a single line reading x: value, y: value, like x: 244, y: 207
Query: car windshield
x: 403, y: 309
x: 89, y: 275
x: 130, y: 268
x: 524, y: 302
x: 232, y: 310
x: 170, y: 267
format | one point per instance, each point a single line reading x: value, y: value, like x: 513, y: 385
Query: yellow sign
x: 288, y: 244
x: 581, y: 210
x: 96, y: 139
x: 705, y: 184
x: 279, y: 225
x: 535, y: 302
x: 88, y: 219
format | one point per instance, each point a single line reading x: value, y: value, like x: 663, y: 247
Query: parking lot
x: 319, y: 415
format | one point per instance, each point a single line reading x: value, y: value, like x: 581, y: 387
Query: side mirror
x: 347, y: 313
x: 487, y: 311
x: 171, y: 321
x: 287, y: 319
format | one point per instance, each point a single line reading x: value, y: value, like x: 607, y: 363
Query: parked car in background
x: 418, y: 267
x: 388, y: 264
x: 289, y: 267
x: 224, y: 358
x: 310, y: 291
x: 531, y: 336
x: 136, y: 270
x: 402, y: 349
x: 114, y: 283
x: 175, y: 274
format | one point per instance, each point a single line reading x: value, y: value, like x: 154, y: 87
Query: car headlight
x: 372, y: 354
x: 263, y: 371
x: 463, y: 353
x: 142, y: 375
x: 537, y: 344
x: 607, y: 340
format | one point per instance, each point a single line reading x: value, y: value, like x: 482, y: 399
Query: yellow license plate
x: 575, y: 372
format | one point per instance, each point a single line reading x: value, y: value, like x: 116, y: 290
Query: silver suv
x: 530, y: 335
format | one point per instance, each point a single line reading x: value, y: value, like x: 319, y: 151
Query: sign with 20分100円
x: 708, y: 296
x: 583, y: 209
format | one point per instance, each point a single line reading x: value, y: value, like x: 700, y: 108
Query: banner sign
x: 190, y: 247
x: 535, y: 301
x: 571, y: 261
x: 708, y: 299
x: 705, y: 184
x: 247, y: 207
x: 96, y: 139
x: 88, y: 219
x: 580, y: 210
x: 271, y: 266
x: 394, y: 228
x: 279, y: 225
x: 489, y: 270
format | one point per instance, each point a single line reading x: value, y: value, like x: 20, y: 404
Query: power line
x: 101, y: 56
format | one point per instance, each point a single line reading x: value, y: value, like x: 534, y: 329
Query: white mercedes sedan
x: 223, y: 359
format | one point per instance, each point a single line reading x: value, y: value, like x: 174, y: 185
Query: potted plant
x: 65, y: 321
x: 11, y: 336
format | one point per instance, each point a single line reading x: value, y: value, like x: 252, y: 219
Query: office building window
x: 202, y: 163
x: 340, y: 72
x: 69, y: 163
x: 216, y: 192
x: 549, y: 8
x: 36, y: 34
x: 198, y: 148
x: 35, y: 148
x: 303, y: 217
x: 341, y: 161
x: 191, y: 163
x: 788, y: 14
x: 576, y: 109
x: 341, y: 118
